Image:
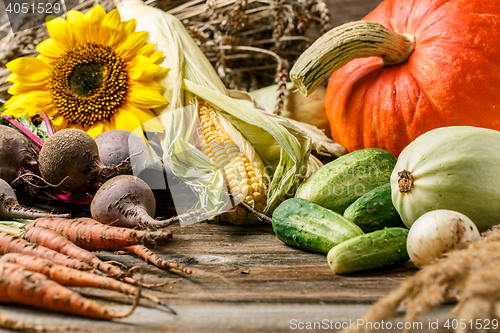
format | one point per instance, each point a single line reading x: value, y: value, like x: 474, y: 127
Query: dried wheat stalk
x: 222, y: 28
x: 470, y: 275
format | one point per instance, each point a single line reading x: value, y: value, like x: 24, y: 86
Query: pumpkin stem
x: 405, y: 181
x: 344, y: 43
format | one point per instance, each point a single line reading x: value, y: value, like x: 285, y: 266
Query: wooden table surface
x: 270, y: 287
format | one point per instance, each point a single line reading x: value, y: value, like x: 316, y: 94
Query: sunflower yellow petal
x: 129, y: 26
x: 153, y: 86
x: 30, y: 68
x: 92, y: 23
x: 150, y: 121
x: 48, y: 60
x: 30, y: 111
x: 76, y: 22
x: 144, y: 97
x: 106, y: 126
x: 147, y: 50
x: 60, y: 32
x: 95, y: 129
x: 98, y: 13
x: 40, y: 99
x: 111, y: 122
x: 74, y: 17
x: 137, y: 66
x: 50, y: 110
x: 156, y: 56
x: 24, y: 80
x: 151, y: 72
x: 20, y: 88
x: 110, y: 29
x: 50, y: 49
x: 16, y: 113
x: 134, y: 42
x: 142, y: 69
x: 127, y: 121
x: 11, y: 78
x: 59, y: 122
x: 77, y: 126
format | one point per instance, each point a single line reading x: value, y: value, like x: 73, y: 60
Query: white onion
x: 437, y: 232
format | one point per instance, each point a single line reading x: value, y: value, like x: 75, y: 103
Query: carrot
x: 19, y: 285
x: 94, y: 236
x: 153, y: 258
x: 14, y: 324
x: 145, y: 253
x: 70, y: 277
x: 10, y: 243
x: 55, y: 241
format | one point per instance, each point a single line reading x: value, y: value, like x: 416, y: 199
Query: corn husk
x: 321, y: 143
x: 282, y: 148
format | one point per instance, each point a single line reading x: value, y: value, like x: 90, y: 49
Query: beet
x: 70, y: 158
x: 116, y: 146
x: 126, y: 201
x: 10, y: 208
x: 17, y: 154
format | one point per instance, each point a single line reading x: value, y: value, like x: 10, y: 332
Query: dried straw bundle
x: 250, y: 43
x: 470, y: 275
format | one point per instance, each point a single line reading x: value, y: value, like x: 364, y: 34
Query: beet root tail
x: 10, y: 208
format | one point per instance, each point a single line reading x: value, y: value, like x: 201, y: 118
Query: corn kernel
x: 257, y: 197
x: 246, y: 189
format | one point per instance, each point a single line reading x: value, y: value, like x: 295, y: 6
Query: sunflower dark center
x: 88, y: 84
x: 86, y: 80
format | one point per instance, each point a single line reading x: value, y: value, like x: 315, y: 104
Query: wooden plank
x: 260, y: 268
x: 220, y: 317
x: 271, y: 284
x: 274, y: 271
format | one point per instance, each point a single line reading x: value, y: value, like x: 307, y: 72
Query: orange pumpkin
x: 451, y: 74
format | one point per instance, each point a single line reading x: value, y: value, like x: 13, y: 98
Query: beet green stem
x: 38, y: 141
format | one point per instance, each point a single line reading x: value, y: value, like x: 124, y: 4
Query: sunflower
x: 95, y: 73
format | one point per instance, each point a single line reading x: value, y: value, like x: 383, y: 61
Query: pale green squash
x: 455, y: 168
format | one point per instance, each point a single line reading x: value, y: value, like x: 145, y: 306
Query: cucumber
x: 337, y: 184
x: 380, y: 249
x: 374, y: 210
x: 307, y: 226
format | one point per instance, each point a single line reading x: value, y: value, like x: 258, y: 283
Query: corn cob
x: 241, y: 178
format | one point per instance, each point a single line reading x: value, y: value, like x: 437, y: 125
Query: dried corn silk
x: 470, y: 275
